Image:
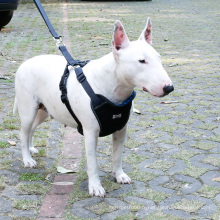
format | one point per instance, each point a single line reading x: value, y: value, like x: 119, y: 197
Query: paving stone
x: 217, y: 198
x: 78, y: 208
x: 24, y: 213
x: 53, y: 206
x: 114, y: 214
x: 209, y: 207
x: 125, y: 188
x: 5, y: 205
x: 196, y: 161
x: 11, y: 177
x: 156, y: 183
x: 208, y: 177
x: 143, y: 166
x: 180, y: 165
x: 189, y: 188
x: 139, y: 187
x: 5, y: 218
x: 149, y: 206
x: 165, y: 206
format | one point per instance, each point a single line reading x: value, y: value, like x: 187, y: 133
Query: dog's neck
x: 108, y: 80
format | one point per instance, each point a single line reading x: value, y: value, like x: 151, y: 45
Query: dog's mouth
x: 145, y: 89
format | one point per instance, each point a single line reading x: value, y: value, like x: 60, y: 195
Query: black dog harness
x: 110, y: 117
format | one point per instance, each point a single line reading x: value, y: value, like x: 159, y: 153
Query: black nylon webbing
x: 46, y: 19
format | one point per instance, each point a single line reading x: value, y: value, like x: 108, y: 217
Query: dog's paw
x: 96, y: 190
x: 33, y: 150
x: 30, y: 163
x: 123, y: 178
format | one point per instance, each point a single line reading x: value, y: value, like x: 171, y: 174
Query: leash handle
x: 46, y: 19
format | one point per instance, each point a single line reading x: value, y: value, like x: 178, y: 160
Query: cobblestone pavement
x: 172, y: 149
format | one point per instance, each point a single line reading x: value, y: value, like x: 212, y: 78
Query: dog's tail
x: 15, y: 108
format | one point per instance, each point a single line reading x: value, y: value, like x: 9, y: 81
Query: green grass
x: 153, y: 195
x: 4, y: 144
x: 188, y: 205
x: 31, y: 177
x: 25, y: 204
x: 101, y: 208
x: 32, y: 189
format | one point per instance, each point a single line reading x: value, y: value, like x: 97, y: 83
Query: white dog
x: 115, y: 75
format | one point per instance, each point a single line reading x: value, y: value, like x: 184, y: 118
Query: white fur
x: 115, y: 75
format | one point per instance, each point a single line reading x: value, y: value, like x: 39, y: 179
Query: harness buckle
x: 80, y: 75
x: 59, y: 42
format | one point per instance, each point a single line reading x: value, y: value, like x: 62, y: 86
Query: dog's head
x: 138, y: 63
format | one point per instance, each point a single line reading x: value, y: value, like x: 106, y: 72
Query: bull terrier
x: 115, y: 75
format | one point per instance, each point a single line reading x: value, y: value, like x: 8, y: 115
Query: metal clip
x: 59, y: 42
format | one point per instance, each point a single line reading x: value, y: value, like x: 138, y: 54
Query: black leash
x: 58, y: 38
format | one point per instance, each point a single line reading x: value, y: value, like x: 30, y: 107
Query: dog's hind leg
x: 40, y: 117
x: 27, y: 112
x: 118, y: 144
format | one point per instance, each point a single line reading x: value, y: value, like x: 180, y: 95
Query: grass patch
x: 175, y: 140
x: 153, y: 195
x: 31, y: 177
x: 184, y: 155
x: 184, y: 121
x: 161, y: 118
x: 198, y: 117
x: 25, y: 204
x: 193, y: 133
x: 32, y: 189
x: 101, y: 208
x: 162, y: 165
x: 204, y: 145
x: 215, y: 138
x: 140, y: 175
x: 209, y: 191
x: 134, y: 158
x: 208, y: 126
x: 145, y: 124
x: 159, y: 215
x: 193, y: 171
x: 127, y: 217
x: 2, y: 183
x: 168, y: 128
x: 4, y: 144
x: 110, y: 185
x: 149, y: 135
x: 188, y: 205
x: 5, y: 164
x: 134, y: 206
x: 131, y: 143
x: 40, y: 142
x: 212, y: 160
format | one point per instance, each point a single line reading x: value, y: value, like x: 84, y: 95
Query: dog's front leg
x: 118, y: 145
x: 95, y: 187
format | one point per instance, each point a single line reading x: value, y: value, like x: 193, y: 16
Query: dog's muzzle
x: 168, y: 89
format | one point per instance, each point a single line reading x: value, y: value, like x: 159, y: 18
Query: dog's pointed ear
x: 147, y: 32
x: 120, y: 39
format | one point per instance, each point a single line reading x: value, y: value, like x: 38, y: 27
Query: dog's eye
x: 142, y: 61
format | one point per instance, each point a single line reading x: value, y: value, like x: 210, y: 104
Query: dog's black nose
x: 167, y: 89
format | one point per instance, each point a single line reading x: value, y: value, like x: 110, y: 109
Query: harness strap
x: 64, y: 97
x: 82, y: 79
